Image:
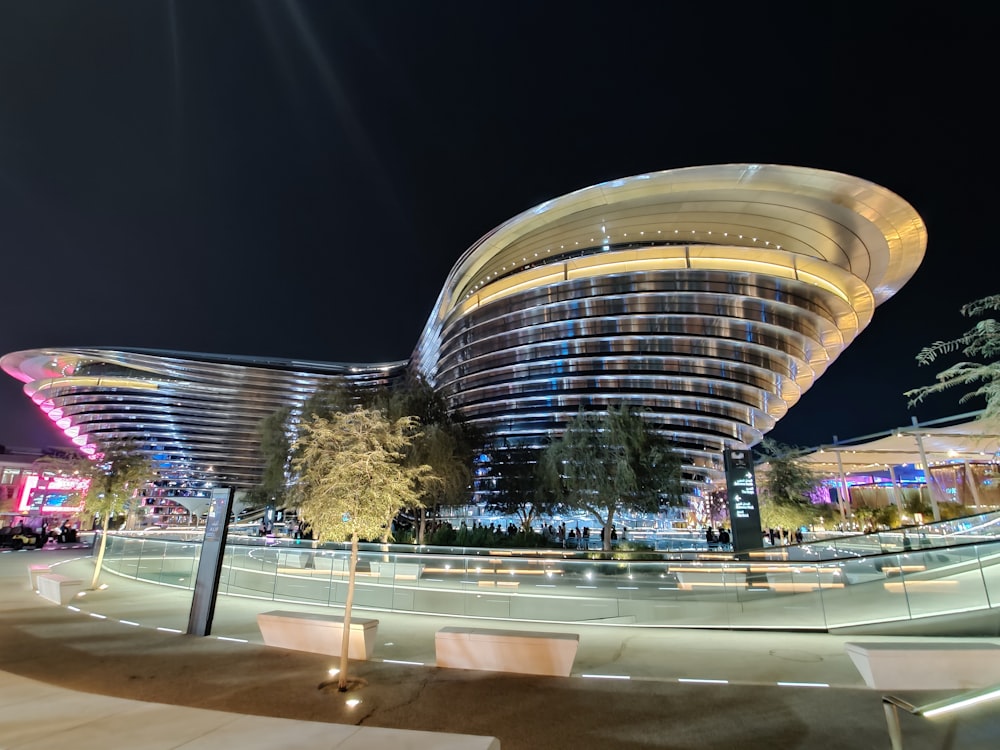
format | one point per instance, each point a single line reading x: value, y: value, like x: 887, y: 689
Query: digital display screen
x: 744, y: 509
x: 52, y: 494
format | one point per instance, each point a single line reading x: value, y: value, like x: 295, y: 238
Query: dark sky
x: 296, y: 179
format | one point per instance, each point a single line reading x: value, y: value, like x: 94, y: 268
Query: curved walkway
x: 630, y: 688
x: 53, y: 717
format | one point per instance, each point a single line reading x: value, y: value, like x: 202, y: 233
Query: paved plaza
x: 629, y: 688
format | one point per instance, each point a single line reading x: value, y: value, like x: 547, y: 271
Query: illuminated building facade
x: 709, y: 298
x: 196, y: 417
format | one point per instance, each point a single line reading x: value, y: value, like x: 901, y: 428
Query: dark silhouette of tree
x: 980, y: 341
x: 442, y: 443
x: 606, y: 463
x: 275, y: 448
x: 517, y: 486
x: 786, y: 487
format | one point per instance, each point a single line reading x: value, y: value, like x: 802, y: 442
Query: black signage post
x: 744, y: 511
x: 206, y: 585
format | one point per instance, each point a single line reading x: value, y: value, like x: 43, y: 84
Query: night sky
x: 296, y: 179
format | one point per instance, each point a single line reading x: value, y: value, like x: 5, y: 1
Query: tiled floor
x: 39, y: 716
x: 630, y: 688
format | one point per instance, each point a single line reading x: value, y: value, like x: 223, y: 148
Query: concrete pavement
x: 630, y: 687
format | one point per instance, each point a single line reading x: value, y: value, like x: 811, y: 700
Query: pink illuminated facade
x: 43, y: 494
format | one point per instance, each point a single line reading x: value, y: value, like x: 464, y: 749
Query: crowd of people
x: 549, y: 535
x: 476, y: 533
x: 782, y: 537
x: 720, y: 539
x: 40, y: 527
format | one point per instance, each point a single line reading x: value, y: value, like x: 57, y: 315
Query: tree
x: 983, y: 341
x: 352, y: 482
x: 517, y: 486
x: 786, y: 487
x: 440, y: 448
x: 332, y: 397
x: 116, y: 478
x: 276, y: 434
x: 607, y: 463
x: 275, y: 448
x: 441, y: 443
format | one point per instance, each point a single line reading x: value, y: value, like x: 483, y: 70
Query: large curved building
x: 710, y: 298
x: 195, y: 416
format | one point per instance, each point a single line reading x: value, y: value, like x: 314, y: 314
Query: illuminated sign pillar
x: 206, y: 585
x: 744, y: 511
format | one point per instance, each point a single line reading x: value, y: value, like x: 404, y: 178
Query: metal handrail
x: 891, y: 705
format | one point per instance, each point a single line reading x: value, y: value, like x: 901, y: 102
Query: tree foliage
x: 331, y: 398
x: 443, y: 444
x: 275, y: 448
x: 352, y: 476
x: 785, y: 487
x: 278, y: 431
x: 436, y: 440
x: 981, y: 341
x: 608, y: 463
x: 352, y: 481
x: 517, y: 485
x: 116, y: 479
x: 786, y: 480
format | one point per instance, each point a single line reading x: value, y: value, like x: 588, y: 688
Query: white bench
x: 798, y: 581
x: 58, y: 589
x: 397, y: 571
x: 34, y: 571
x: 926, y: 665
x: 310, y: 562
x: 708, y: 579
x: 318, y: 633
x: 506, y: 650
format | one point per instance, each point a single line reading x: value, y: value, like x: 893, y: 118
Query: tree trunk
x: 100, y: 553
x: 345, y: 641
x: 606, y: 542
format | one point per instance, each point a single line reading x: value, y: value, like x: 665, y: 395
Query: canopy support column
x: 844, y: 495
x: 931, y: 485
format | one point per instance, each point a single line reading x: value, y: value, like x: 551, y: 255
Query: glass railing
x: 978, y: 528
x: 848, y: 592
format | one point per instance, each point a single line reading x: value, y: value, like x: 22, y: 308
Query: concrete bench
x: 926, y: 665
x: 58, y: 589
x: 397, y: 571
x: 34, y: 571
x: 798, y: 581
x: 688, y: 579
x: 317, y: 633
x: 506, y: 650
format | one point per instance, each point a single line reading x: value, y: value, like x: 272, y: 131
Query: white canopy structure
x: 924, y: 445
x: 959, y: 441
